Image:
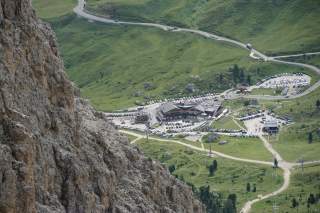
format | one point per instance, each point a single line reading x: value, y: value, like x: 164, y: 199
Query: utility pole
x: 147, y: 130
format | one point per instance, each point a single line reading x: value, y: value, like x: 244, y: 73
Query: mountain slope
x: 272, y: 25
x: 56, y: 153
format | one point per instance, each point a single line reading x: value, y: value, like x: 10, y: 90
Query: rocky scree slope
x: 56, y: 153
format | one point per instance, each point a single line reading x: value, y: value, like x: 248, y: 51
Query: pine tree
x: 215, y: 165
x: 211, y: 170
x: 275, y: 163
x: 318, y: 104
x: 294, y: 203
x: 254, y: 188
x: 311, y: 199
x: 172, y: 168
x: 248, y: 187
x: 310, y: 137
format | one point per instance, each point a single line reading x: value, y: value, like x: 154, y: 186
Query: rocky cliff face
x: 56, y: 153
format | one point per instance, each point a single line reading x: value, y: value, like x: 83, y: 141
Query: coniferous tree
x: 294, y: 203
x: 311, y: 199
x: 172, y: 168
x: 275, y: 163
x: 248, y: 187
x: 211, y: 170
x: 318, y: 104
x: 310, y: 137
x: 215, y: 165
x: 254, y: 188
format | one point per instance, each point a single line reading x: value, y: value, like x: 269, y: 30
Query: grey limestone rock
x: 56, y: 153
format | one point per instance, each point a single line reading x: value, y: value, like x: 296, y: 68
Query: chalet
x: 188, y: 110
x: 170, y: 111
x: 271, y: 126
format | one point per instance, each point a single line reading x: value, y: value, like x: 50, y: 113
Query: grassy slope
x: 111, y: 63
x: 47, y: 9
x: 277, y: 26
x: 250, y: 148
x: 231, y: 176
x: 130, y: 56
x: 263, y: 91
x: 314, y: 59
x: 301, y: 184
x: 293, y: 140
x: 225, y: 123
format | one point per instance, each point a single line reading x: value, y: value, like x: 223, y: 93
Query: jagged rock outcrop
x: 56, y: 153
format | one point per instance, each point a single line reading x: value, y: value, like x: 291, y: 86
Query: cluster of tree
x: 213, y: 167
x: 254, y: 187
x: 213, y: 201
x: 239, y: 76
x: 312, y: 200
x: 172, y: 168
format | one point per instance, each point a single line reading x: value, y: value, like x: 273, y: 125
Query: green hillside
x: 120, y: 66
x: 303, y: 184
x: 48, y: 9
x: 231, y: 176
x: 272, y: 26
x: 292, y: 142
x: 115, y: 66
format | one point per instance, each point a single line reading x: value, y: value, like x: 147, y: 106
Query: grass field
x: 48, y: 9
x: 292, y: 142
x: 115, y: 66
x: 272, y: 26
x: 264, y: 91
x: 184, y: 140
x: 301, y: 186
x: 250, y: 148
x: 312, y: 59
x: 231, y: 176
x: 225, y: 123
x: 112, y: 64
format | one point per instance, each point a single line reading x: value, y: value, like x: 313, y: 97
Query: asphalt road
x: 295, y: 55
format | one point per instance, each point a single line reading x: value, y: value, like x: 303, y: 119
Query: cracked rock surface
x: 57, y: 154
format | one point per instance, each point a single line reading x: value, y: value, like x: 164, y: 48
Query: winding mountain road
x: 255, y: 54
x: 220, y: 154
x: 295, y: 55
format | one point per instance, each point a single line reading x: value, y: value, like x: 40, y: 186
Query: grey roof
x: 200, y: 108
x: 167, y: 107
x: 270, y: 124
